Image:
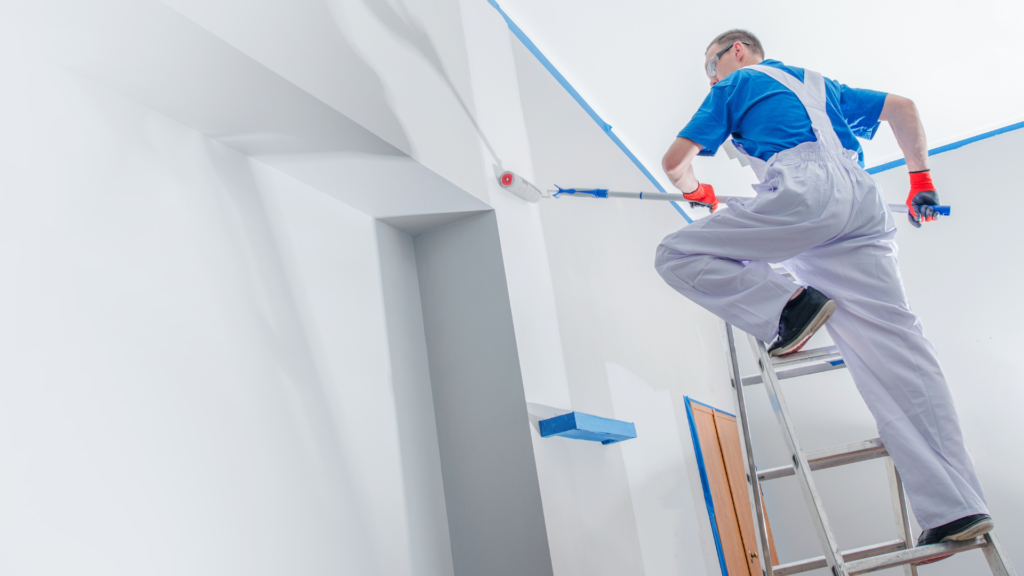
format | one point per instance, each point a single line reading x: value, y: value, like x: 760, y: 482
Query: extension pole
x: 678, y: 197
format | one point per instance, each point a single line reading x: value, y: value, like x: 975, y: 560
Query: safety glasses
x: 712, y: 67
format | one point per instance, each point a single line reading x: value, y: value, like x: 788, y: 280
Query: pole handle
x: 902, y: 209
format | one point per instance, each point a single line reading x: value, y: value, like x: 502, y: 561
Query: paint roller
x: 522, y: 187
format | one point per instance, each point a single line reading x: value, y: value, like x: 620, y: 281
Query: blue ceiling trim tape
x: 607, y: 128
x: 704, y: 481
x: 948, y: 147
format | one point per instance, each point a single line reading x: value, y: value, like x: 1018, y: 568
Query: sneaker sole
x: 819, y: 320
x: 979, y: 528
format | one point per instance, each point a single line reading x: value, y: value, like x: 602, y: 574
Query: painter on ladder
x: 823, y: 217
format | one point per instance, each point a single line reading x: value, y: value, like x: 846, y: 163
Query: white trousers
x: 827, y: 222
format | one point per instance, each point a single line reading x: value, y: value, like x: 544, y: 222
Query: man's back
x: 765, y: 117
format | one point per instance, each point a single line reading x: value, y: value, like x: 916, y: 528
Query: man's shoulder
x: 794, y: 71
x: 747, y: 74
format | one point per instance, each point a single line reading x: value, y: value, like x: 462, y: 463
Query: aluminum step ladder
x: 898, y: 552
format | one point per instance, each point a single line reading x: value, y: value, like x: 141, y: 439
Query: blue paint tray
x: 587, y: 427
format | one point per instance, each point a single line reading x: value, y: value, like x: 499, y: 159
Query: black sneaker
x: 800, y: 319
x: 965, y: 528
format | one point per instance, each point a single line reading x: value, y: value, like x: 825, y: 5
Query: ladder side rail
x: 741, y: 409
x: 996, y: 556
x: 900, y: 512
x: 830, y: 547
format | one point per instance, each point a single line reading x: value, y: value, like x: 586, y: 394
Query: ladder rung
x: 848, y: 556
x: 912, y: 556
x: 794, y: 372
x: 826, y: 353
x: 831, y: 457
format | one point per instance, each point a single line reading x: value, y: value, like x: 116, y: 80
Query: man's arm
x: 677, y: 164
x: 901, y: 114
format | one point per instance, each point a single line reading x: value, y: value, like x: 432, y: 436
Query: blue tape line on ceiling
x: 948, y: 147
x: 705, y: 484
x: 583, y: 103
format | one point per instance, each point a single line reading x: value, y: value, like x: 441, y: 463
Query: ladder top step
x: 798, y: 371
x: 813, y: 355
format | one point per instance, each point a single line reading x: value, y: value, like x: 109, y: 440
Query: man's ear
x: 741, y: 50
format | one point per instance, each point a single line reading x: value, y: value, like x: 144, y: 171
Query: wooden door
x: 737, y: 561
x: 729, y: 440
x: 726, y: 480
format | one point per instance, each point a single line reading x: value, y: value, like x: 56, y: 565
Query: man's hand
x: 704, y: 196
x: 921, y: 199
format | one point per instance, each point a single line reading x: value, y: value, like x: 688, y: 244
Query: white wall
x: 495, y: 513
x: 633, y: 350
x: 195, y: 370
x: 231, y: 72
x: 430, y: 550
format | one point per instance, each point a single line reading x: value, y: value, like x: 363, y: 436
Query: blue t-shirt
x: 765, y: 117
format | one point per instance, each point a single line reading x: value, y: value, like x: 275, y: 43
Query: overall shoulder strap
x: 811, y: 93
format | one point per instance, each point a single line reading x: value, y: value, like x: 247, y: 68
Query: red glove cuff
x: 919, y: 182
x: 699, y: 194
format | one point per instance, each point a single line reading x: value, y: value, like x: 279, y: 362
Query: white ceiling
x: 640, y: 63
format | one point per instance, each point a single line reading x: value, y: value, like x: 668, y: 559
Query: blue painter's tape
x: 583, y: 426
x: 948, y: 147
x: 583, y: 103
x: 708, y: 501
x: 887, y: 166
x: 836, y: 362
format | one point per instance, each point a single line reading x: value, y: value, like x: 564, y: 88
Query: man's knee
x: 671, y: 264
x: 665, y: 255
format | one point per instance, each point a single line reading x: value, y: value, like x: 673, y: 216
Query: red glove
x: 921, y: 199
x: 704, y: 196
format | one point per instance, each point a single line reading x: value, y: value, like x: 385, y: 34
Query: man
x: 824, y: 218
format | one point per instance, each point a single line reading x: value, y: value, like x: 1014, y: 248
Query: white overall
x: 824, y: 218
